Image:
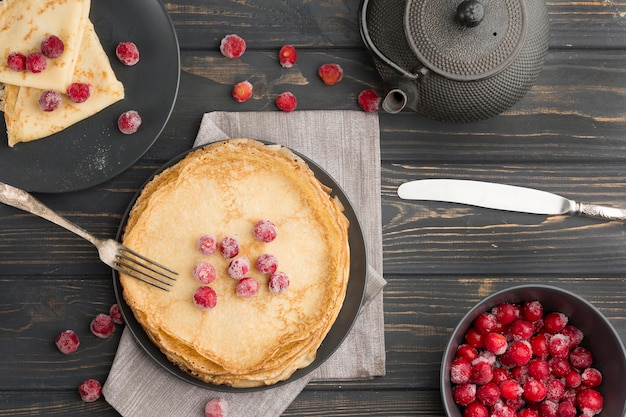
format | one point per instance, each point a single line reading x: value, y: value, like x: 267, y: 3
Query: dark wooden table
x: 568, y: 135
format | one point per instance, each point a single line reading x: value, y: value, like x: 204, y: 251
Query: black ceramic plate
x: 339, y: 330
x: 93, y: 150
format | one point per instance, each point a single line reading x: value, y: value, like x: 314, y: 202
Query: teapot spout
x: 401, y: 97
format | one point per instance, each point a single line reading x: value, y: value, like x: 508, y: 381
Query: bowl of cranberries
x: 534, y: 351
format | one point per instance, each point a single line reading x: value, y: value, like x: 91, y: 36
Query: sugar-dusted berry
x: 520, y: 352
x: 481, y: 373
x: 116, y: 314
x: 485, y: 323
x: 242, y: 91
x: 49, y: 100
x: 559, y: 345
x: 330, y: 74
x: 79, y: 92
x: 500, y: 374
x: 475, y: 409
x: 589, y: 401
x: 229, y: 247
x: 474, y: 338
x: 527, y: 412
x: 90, y: 390
x: 555, y: 389
x: 539, y: 345
x: 52, y: 46
x: 521, y: 330
x: 467, y: 352
x: 534, y: 390
x: 566, y: 409
x: 501, y: 409
x: 495, y: 343
x: 102, y: 325
x: 572, y: 379
x: 207, y: 244
x: 580, y: 358
x: 511, y: 389
x: 488, y: 394
x: 369, y: 100
x: 16, y: 61
x: 265, y: 231
x: 532, y: 310
x: 591, y: 377
x: 286, y: 102
x: 548, y: 408
x: 505, y: 313
x: 67, y: 341
x: 554, y: 322
x: 36, y: 62
x: 539, y: 369
x: 278, y: 282
x: 232, y: 46
x: 266, y: 263
x: 205, y: 298
x: 575, y: 335
x: 460, y: 371
x: 239, y: 267
x: 287, y: 56
x: 560, y: 367
x: 217, y: 407
x: 127, y: 53
x: 464, y: 394
x: 247, y: 287
x: 204, y: 273
x: 129, y: 122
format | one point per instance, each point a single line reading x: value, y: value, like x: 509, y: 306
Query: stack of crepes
x: 224, y: 189
x: 23, y: 26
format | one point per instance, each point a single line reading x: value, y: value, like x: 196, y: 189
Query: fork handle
x: 22, y: 200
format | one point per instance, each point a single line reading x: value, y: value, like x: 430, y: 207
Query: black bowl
x: 600, y: 338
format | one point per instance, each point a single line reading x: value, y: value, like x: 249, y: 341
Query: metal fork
x: 111, y: 252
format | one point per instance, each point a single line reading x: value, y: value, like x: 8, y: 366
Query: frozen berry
x: 330, y: 73
x: 265, y: 231
x: 505, y: 313
x: 229, y: 247
x: 67, y: 341
x: 287, y: 56
x: 589, y: 402
x: 129, y: 122
x: 575, y: 335
x: 232, y: 46
x: 591, y: 377
x: 204, y: 273
x: 52, y: 46
x: 266, y: 263
x: 532, y: 310
x: 475, y: 409
x: 79, y: 92
x: 207, y: 244
x: 566, y: 409
x: 495, y: 343
x: 485, y: 323
x: 534, y: 390
x: 205, y: 298
x: 116, y: 314
x: 127, y: 53
x: 102, y: 325
x: 539, y: 369
x: 500, y: 374
x: 247, y: 287
x: 560, y: 367
x: 242, y: 91
x: 278, y: 282
x: 467, y: 352
x: 555, y: 389
x: 519, y: 352
x: 474, y: 338
x: 527, y: 412
x: 539, y: 345
x: 554, y: 322
x: 573, y: 379
x: 481, y: 373
x: 36, y: 62
x: 548, y: 408
x: 580, y: 358
x: 286, y: 102
x: 500, y: 409
x: 216, y: 408
x: 460, y: 371
x: 16, y: 61
x: 369, y: 100
x: 49, y: 100
x: 521, y: 330
x: 464, y: 394
x: 239, y: 268
x: 559, y: 346
x: 488, y: 394
x: 511, y: 389
x: 90, y: 390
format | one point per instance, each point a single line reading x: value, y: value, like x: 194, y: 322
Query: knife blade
x: 503, y: 197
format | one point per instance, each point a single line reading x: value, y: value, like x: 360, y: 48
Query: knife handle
x: 600, y: 212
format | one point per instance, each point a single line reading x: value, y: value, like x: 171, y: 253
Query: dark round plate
x: 337, y: 333
x: 94, y: 150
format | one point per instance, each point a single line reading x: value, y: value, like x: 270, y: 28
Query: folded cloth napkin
x: 344, y: 143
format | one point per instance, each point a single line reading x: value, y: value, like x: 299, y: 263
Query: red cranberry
x: 580, y: 358
x: 16, y: 61
x: 495, y: 343
x: 591, y: 377
x: 511, y: 389
x: 127, y: 53
x: 278, y: 282
x: 52, y: 46
x: 520, y: 352
x: 539, y: 345
x: 36, y: 63
x: 559, y: 346
x: 247, y: 287
x: 539, y: 369
x: 566, y: 409
x: 216, y: 408
x: 205, y: 298
x: 500, y: 374
x: 485, y: 323
x: 474, y: 338
x: 572, y: 379
x: 67, y: 341
x: 207, y: 244
x: 266, y: 263
x: 488, y: 394
x: 532, y: 310
x: 481, y: 373
x: 79, y: 92
x: 265, y: 231
x: 560, y: 367
x: 521, y: 330
x: 555, y: 322
x: 90, y: 390
x: 239, y: 268
x: 129, y: 122
x: 49, y: 100
x: 475, y: 409
x: 590, y: 401
x: 229, y: 247
x: 116, y: 314
x: 287, y: 56
x: 232, y: 46
x: 534, y: 390
x: 575, y: 335
x: 467, y: 352
x: 464, y: 394
x: 555, y: 390
x: 204, y: 273
x: 102, y: 325
x: 505, y: 313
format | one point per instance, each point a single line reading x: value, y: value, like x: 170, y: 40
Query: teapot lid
x: 465, y: 40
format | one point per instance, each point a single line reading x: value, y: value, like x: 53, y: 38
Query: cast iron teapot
x: 455, y: 60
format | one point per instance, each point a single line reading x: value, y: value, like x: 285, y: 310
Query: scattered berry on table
x: 16, y: 61
x: 229, y: 247
x: 207, y: 244
x: 52, y: 46
x: 266, y: 263
x: 287, y: 56
x: 247, y: 287
x: 36, y: 62
x: 286, y: 102
x: 49, y: 100
x: 369, y: 100
x: 204, y: 273
x: 278, y: 282
x: 79, y: 92
x: 330, y: 74
x: 90, y: 390
x: 216, y: 408
x: 242, y: 91
x: 127, y: 53
x: 239, y: 268
x: 102, y: 325
x: 67, y: 341
x: 205, y: 298
x: 232, y: 46
x: 265, y: 231
x: 129, y: 122
x: 116, y: 314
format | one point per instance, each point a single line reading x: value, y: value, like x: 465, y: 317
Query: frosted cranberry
x: 464, y: 394
x: 560, y: 367
x: 286, y: 102
x: 474, y: 338
x: 575, y: 335
x: 520, y: 352
x: 539, y: 345
x: 527, y: 412
x: 205, y: 298
x: 36, y: 63
x: 505, y: 313
x: 475, y: 409
x: 520, y: 373
x: 488, y: 394
x: 216, y: 408
x: 570, y: 395
x: 467, y: 352
x: 52, y: 46
x: 16, y: 61
x: 521, y: 330
x: 239, y: 268
x: 539, y: 369
x: 572, y: 379
x: 511, y: 389
x: 247, y: 287
x: 566, y: 409
x: 555, y: 322
x: 127, y: 53
x: 204, y: 273
x: 102, y: 325
x: 559, y: 345
x: 548, y: 408
x: 485, y: 323
x: 516, y: 403
x: 589, y: 401
x: 481, y: 373
x: 532, y: 310
x: 229, y: 247
x: 460, y: 371
x: 242, y: 91
x: 580, y: 358
x: 265, y: 231
x: 207, y: 244
x: 495, y: 343
x: 591, y: 377
x: 232, y: 46
x: 485, y: 356
x: 90, y: 390
x: 330, y: 74
x: 49, y: 100
x: 287, y: 56
x: 116, y: 314
x: 129, y: 122
x: 534, y: 390
x: 500, y: 374
x: 67, y: 341
x: 266, y: 263
x: 502, y: 410
x: 369, y: 100
x: 79, y: 92
x: 278, y: 282
x: 555, y: 389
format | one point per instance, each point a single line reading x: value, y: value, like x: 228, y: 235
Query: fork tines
x: 139, y: 267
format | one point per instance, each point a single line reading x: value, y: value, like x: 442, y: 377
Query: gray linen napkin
x: 344, y: 143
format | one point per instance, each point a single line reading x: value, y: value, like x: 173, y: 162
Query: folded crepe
x: 26, y: 122
x: 25, y: 23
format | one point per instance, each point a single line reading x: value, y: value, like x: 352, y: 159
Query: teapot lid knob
x: 470, y: 13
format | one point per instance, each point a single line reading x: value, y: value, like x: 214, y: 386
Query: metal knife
x: 503, y: 197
